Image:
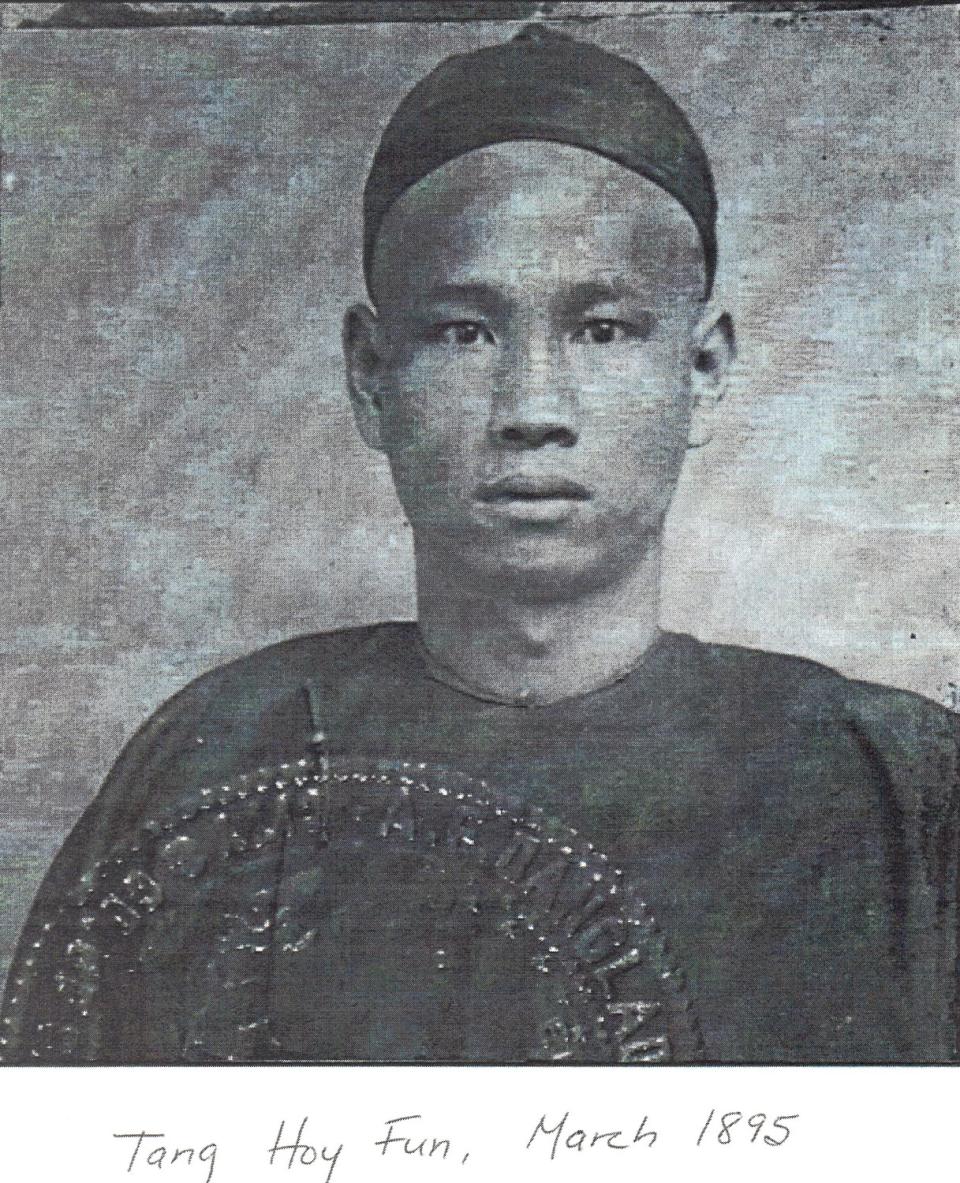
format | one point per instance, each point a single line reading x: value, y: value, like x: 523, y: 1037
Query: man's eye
x: 462, y: 332
x: 602, y: 331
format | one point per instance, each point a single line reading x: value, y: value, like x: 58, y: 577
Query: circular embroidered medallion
x: 381, y: 911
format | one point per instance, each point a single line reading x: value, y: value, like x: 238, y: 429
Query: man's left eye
x: 602, y: 331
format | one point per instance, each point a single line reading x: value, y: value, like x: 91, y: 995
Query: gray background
x: 182, y: 482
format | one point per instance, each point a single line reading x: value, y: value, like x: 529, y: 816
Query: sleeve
x: 140, y: 778
x: 914, y: 746
x: 231, y: 722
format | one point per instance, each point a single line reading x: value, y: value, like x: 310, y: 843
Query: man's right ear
x: 361, y: 332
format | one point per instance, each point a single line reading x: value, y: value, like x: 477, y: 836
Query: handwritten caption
x: 408, y: 1136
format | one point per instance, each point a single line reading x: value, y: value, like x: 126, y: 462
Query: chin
x: 537, y: 564
x: 547, y: 573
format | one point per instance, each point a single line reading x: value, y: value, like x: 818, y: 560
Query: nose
x: 527, y: 431
x: 532, y: 407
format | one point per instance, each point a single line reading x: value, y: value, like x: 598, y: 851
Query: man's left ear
x: 715, y: 352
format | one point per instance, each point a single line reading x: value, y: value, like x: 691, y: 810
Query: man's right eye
x: 461, y: 333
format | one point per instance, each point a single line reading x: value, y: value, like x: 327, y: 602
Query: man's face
x: 537, y: 308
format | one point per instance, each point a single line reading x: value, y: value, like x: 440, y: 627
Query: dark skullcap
x: 542, y: 85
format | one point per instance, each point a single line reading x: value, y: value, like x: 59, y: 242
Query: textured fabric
x: 793, y: 832
x: 542, y: 85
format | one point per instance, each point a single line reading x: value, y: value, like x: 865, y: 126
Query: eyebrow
x: 577, y: 298
x: 589, y: 292
x: 471, y: 293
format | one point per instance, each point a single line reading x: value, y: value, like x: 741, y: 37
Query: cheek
x: 432, y: 414
x: 659, y: 444
x: 640, y: 401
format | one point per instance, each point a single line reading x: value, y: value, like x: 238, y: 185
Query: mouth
x: 531, y: 489
x: 533, y: 502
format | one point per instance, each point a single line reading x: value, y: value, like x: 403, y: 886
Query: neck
x: 503, y: 645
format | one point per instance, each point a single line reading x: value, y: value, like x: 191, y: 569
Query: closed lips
x: 528, y: 488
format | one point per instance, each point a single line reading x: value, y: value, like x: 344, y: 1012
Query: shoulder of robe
x: 912, y: 743
x: 916, y: 742
x: 250, y: 682
x: 201, y: 736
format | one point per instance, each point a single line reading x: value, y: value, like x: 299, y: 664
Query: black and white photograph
x: 480, y: 534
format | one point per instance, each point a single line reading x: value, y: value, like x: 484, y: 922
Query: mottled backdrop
x: 182, y: 481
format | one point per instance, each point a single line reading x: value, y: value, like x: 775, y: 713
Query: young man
x: 530, y: 826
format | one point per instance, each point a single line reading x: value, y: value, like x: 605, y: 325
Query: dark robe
x: 727, y: 856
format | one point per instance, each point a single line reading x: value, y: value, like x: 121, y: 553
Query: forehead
x: 536, y: 214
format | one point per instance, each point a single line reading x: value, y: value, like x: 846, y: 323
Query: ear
x: 715, y: 352
x: 361, y: 340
